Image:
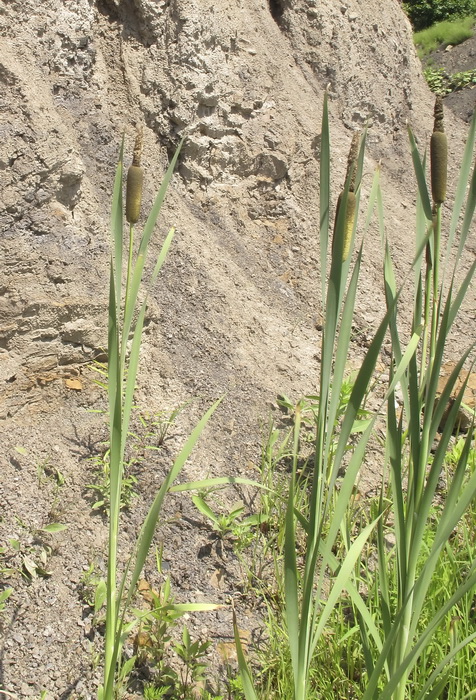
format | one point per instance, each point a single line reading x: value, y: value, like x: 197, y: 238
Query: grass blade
x: 324, y: 197
x: 245, y: 673
x: 420, y: 176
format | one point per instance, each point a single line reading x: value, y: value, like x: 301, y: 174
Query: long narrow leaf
x: 218, y: 481
x: 148, y: 528
x: 117, y: 225
x: 420, y: 176
x: 410, y: 660
x: 324, y: 198
x: 462, y: 181
x: 343, y: 342
x: 293, y: 622
x: 343, y: 577
x: 245, y: 672
x: 444, y: 663
x: 468, y: 215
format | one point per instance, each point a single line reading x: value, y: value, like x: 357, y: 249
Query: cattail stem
x: 427, y: 310
x: 127, y: 291
x: 436, y: 284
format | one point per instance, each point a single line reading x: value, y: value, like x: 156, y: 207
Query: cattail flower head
x: 351, y: 200
x: 135, y: 179
x: 438, y: 155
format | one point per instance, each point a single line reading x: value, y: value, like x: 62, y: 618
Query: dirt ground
x: 236, y: 312
x: 455, y: 60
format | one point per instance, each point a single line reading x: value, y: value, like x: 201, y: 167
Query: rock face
x: 244, y: 80
x: 235, y: 308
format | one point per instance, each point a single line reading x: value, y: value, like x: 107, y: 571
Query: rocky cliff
x: 245, y: 81
x: 236, y: 310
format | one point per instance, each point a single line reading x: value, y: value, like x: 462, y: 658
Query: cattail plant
x: 126, y: 321
x: 307, y: 607
x: 406, y: 575
x: 385, y: 567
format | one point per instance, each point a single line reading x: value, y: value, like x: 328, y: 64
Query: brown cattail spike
x: 137, y: 152
x: 352, y: 161
x: 135, y: 179
x: 438, y: 155
x: 351, y: 201
x: 439, y: 117
x: 349, y: 218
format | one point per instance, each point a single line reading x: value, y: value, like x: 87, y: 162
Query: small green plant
x: 47, y: 471
x: 102, y: 483
x: 154, y: 647
x: 153, y: 692
x: 307, y: 411
x: 442, y: 83
x: 230, y: 523
x: 156, y: 425
x: 191, y: 655
x: 4, y: 596
x: 151, y: 434
x: 29, y: 554
x: 92, y: 590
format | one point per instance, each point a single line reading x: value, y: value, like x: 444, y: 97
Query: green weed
x: 229, y: 522
x: 442, y: 83
x: 443, y: 34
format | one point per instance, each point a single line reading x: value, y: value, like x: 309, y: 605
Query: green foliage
x: 101, y: 485
x: 156, y: 425
x: 424, y: 13
x: 47, y: 471
x: 150, y: 435
x: 350, y: 613
x: 441, y: 83
x: 191, y: 655
x: 28, y: 554
x: 374, y: 592
x: 4, y: 595
x: 92, y: 589
x: 156, y: 652
x: 229, y: 522
x: 443, y: 34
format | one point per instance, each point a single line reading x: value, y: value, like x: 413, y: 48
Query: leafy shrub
x: 424, y: 13
x: 441, y: 83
